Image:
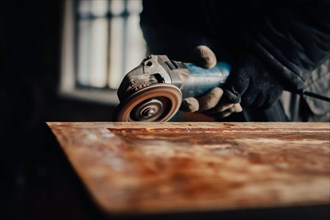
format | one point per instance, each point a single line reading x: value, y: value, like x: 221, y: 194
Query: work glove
x: 210, y: 102
x: 249, y: 85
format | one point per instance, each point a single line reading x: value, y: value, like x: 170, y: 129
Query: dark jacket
x: 292, y: 37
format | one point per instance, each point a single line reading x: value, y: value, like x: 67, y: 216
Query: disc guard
x: 156, y: 103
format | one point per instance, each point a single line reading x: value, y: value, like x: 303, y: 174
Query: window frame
x: 68, y: 68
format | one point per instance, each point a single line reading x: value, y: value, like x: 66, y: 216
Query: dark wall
x: 30, y: 32
x: 36, y: 181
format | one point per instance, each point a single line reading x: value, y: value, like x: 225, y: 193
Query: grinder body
x: 153, y: 91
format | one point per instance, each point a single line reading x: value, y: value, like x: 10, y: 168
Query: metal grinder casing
x: 153, y: 91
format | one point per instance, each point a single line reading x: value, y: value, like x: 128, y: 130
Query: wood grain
x: 190, y: 166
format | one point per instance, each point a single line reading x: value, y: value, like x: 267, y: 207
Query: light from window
x: 102, y: 41
x: 110, y: 41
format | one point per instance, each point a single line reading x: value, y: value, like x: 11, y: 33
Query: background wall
x: 36, y: 180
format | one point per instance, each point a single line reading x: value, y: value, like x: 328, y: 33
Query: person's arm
x: 293, y: 38
x: 276, y: 49
x: 169, y: 27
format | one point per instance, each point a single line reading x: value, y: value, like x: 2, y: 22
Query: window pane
x: 99, y: 54
x: 109, y: 41
x: 84, y: 41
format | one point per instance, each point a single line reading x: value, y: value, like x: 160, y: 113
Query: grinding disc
x: 158, y: 102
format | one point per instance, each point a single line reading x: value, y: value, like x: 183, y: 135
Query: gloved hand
x: 250, y: 84
x: 203, y: 56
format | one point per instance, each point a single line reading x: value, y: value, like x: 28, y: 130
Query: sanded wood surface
x: 173, y: 167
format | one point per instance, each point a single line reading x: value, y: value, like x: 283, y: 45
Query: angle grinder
x: 154, y: 90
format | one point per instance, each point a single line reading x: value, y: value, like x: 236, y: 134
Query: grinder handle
x: 201, y: 80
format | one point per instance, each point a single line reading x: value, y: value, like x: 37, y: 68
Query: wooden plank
x: 198, y: 166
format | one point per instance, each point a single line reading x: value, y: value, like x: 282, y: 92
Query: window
x: 102, y: 41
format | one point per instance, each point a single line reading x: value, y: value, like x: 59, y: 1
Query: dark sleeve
x: 170, y: 27
x: 293, y: 37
